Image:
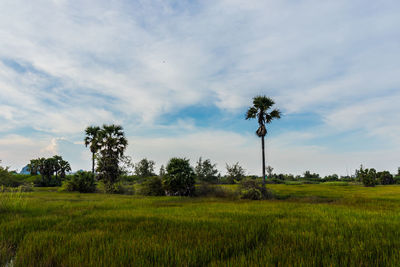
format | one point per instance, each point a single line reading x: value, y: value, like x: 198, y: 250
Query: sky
x: 180, y: 75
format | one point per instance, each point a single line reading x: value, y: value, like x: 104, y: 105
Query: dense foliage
x: 145, y: 168
x: 83, y: 182
x: 206, y: 171
x: 111, y: 144
x: 52, y: 170
x: 235, y: 173
x: 180, y: 178
x: 152, y: 187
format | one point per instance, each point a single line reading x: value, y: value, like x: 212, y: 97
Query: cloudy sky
x: 179, y: 76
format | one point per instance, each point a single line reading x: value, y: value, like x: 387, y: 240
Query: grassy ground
x: 312, y: 225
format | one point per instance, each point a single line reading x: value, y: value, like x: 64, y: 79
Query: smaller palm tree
x: 259, y: 111
x: 64, y: 168
x: 92, y: 140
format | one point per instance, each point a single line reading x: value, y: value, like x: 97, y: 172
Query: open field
x: 311, y: 225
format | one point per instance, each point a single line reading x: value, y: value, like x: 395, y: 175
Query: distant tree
x: 385, y: 178
x: 180, y: 178
x: 259, y: 111
x: 206, y: 171
x: 56, y: 165
x: 64, y: 168
x: 47, y: 169
x: 33, y: 167
x: 145, y: 168
x: 162, y: 171
x: 235, y: 173
x: 367, y: 176
x: 309, y: 175
x: 331, y: 178
x: 112, y: 144
x: 5, y: 176
x: 269, y: 170
x: 92, y: 140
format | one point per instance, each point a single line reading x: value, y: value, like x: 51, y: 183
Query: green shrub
x: 212, y: 190
x: 252, y: 193
x: 8, y: 179
x: 367, y: 176
x: 385, y: 178
x: 116, y: 188
x: 254, y: 189
x: 180, y: 178
x: 206, y: 171
x: 152, y: 187
x: 123, y: 189
x: 83, y: 182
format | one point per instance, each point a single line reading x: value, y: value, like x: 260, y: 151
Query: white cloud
x: 130, y: 62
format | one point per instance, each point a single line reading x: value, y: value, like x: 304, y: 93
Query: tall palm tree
x: 91, y: 140
x: 56, y: 161
x: 259, y: 111
x: 112, y: 145
x: 64, y: 167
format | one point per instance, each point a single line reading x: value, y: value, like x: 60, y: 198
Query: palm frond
x: 251, y: 113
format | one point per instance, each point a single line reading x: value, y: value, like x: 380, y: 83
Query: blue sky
x: 179, y: 76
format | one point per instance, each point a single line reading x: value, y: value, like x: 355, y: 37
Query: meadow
x: 331, y: 224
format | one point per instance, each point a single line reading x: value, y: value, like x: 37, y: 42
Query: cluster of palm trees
x: 107, y: 145
x: 55, y: 165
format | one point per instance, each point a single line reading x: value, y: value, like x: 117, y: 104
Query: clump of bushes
x: 115, y: 188
x: 180, y: 178
x: 83, y: 182
x: 152, y: 187
x: 254, y: 190
x: 212, y: 190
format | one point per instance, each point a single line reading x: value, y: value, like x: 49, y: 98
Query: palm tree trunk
x: 263, y: 159
x: 93, y: 163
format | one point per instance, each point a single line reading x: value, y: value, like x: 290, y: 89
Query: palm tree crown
x: 259, y: 111
x: 111, y: 140
x: 91, y: 138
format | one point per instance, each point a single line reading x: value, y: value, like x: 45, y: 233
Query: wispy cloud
x: 67, y: 64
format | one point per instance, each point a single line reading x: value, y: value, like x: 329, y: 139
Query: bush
x: 123, y: 189
x: 252, y: 193
x: 367, y: 176
x: 82, y: 182
x: 234, y: 173
x: 253, y: 189
x: 206, y: 171
x: 116, y: 188
x: 385, y: 178
x: 180, y: 178
x: 152, y: 187
x: 212, y: 190
x: 8, y: 179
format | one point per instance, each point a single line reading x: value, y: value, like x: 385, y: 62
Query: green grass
x: 314, y: 225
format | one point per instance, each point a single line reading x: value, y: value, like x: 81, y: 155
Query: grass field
x: 311, y: 225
